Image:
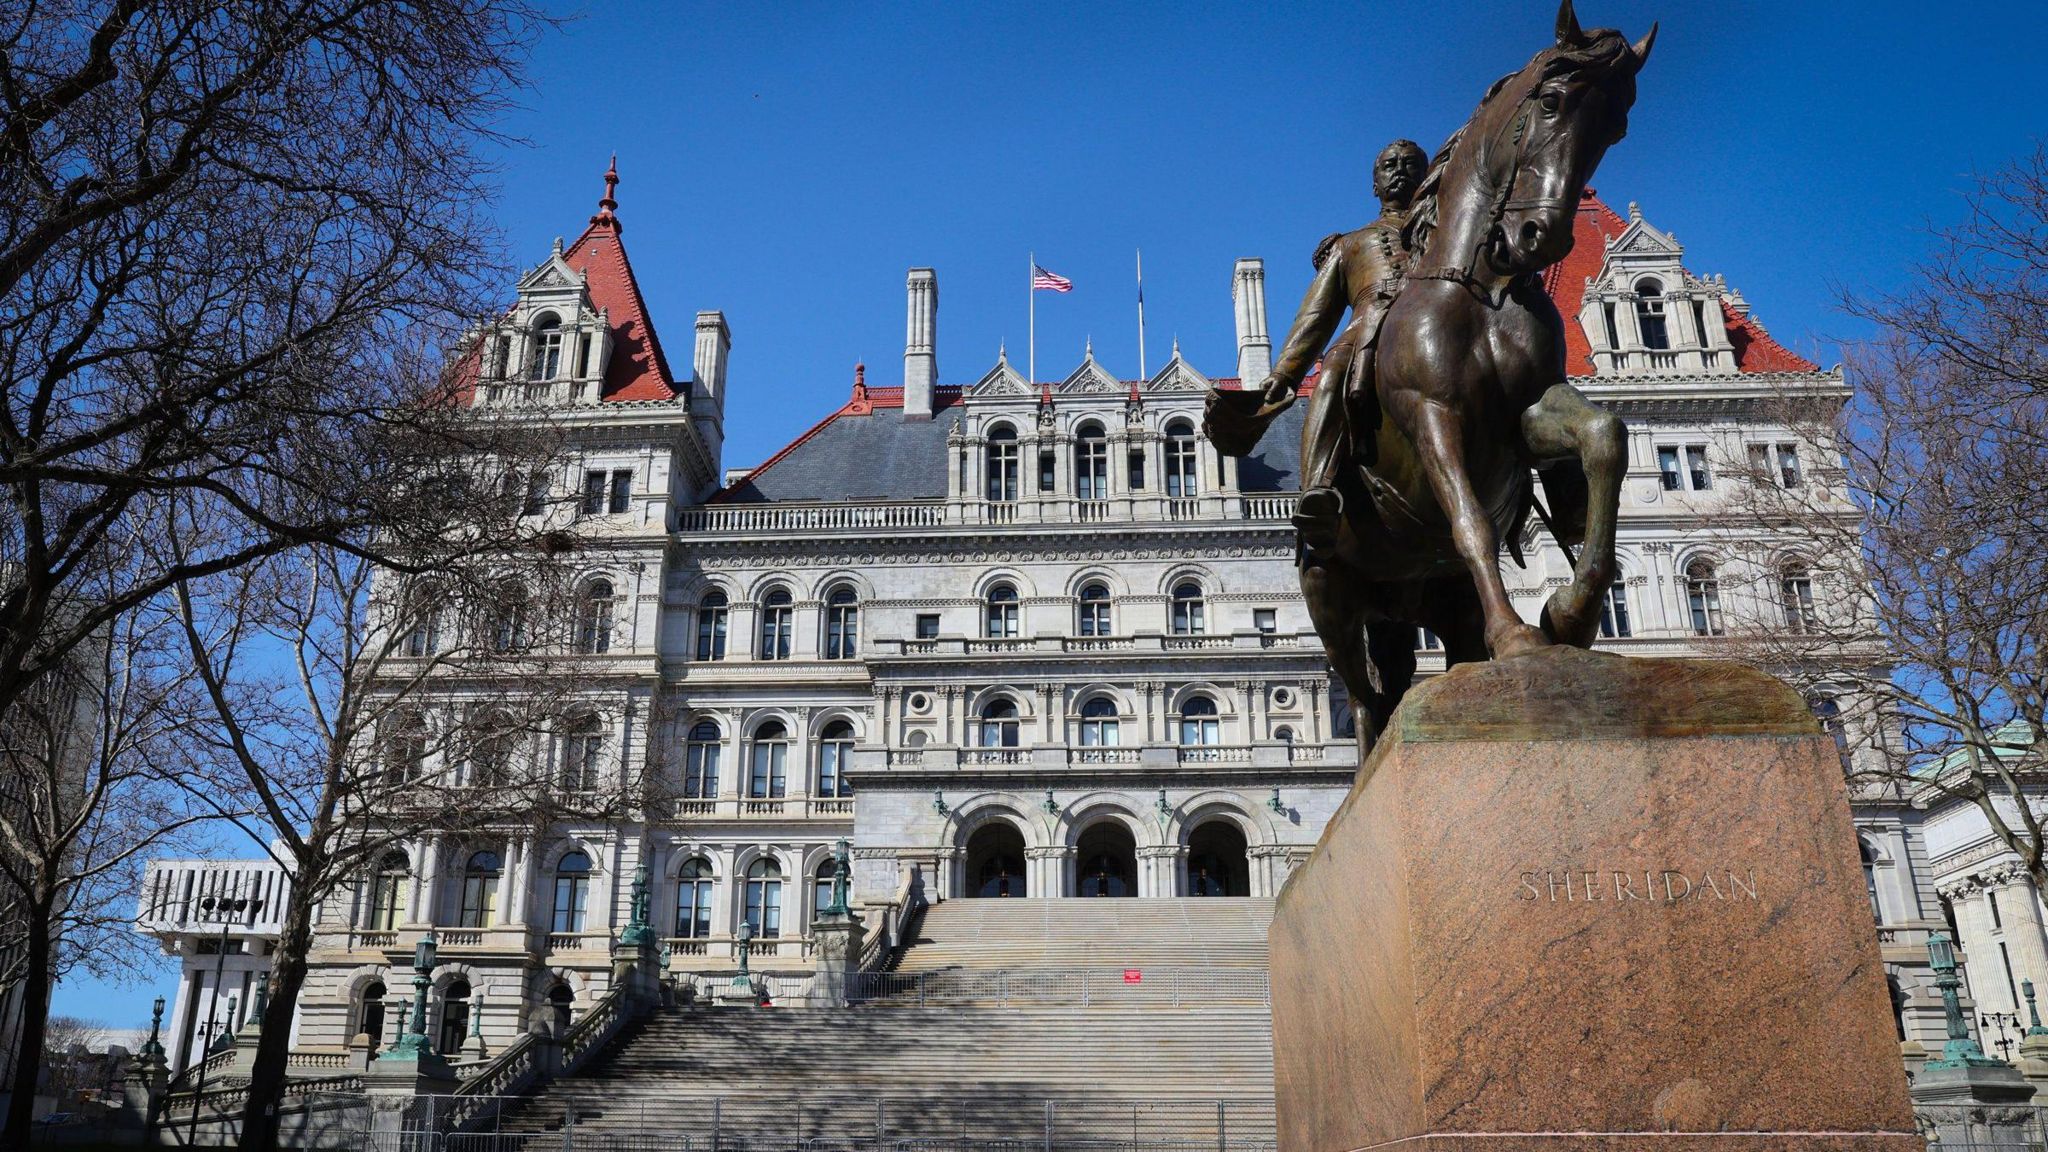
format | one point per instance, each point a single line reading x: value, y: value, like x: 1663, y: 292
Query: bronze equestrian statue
x: 1468, y: 371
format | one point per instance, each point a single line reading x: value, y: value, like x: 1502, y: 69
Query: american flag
x: 1049, y: 281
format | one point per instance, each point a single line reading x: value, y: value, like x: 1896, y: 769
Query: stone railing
x: 460, y: 937
x: 1215, y: 754
x: 995, y: 756
x: 752, y: 808
x: 800, y: 517
x: 1141, y: 642
x: 1268, y: 507
x: 1106, y: 756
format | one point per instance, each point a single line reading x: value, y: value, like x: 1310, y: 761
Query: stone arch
x: 1019, y: 696
x: 970, y: 814
x: 1015, y: 578
x: 1253, y: 818
x: 1202, y: 574
x: 863, y: 588
x: 825, y: 717
x: 1226, y: 700
x: 1095, y: 807
x: 1126, y: 706
x: 760, y: 716
x: 1119, y: 589
x: 767, y: 582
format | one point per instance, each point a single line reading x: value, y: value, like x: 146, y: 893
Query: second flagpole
x: 1031, y: 346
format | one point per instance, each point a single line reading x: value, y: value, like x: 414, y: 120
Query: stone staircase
x: 1060, y: 1070
x: 1186, y: 933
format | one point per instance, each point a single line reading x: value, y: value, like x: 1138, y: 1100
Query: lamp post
x: 745, y: 937
x: 225, y: 911
x: 413, y: 1042
x: 1961, y: 1051
x: 842, y: 871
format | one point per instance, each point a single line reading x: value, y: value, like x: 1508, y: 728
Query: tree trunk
x: 273, y: 1045
x: 35, y: 1012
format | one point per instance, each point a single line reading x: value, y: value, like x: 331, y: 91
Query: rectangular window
x: 1667, y: 469
x: 1997, y: 921
x: 1760, y: 462
x: 1696, y: 467
x: 1137, y: 469
x: 1699, y: 322
x: 1427, y: 641
x: 928, y: 626
x: 1607, y: 314
x: 1265, y: 620
x: 536, y: 493
x: 2005, y: 958
x: 1048, y: 472
x: 583, y: 362
x: 1788, y: 465
x: 622, y: 490
x: 593, y: 493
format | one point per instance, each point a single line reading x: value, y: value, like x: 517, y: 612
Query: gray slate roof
x: 882, y: 456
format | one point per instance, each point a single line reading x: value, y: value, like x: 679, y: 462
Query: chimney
x: 920, y: 344
x: 1254, y: 347
x: 714, y: 339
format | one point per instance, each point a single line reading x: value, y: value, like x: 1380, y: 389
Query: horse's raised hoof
x: 1570, y: 618
x: 1517, y: 639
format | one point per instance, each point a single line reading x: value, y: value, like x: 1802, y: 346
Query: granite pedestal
x: 1578, y: 902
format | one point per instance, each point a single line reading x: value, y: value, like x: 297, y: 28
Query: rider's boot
x: 1316, y: 516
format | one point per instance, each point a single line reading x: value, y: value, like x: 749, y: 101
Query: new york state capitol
x: 1007, y: 638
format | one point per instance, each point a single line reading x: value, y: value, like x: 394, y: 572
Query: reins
x: 1499, y: 206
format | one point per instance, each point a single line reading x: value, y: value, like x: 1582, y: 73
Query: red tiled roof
x: 638, y: 370
x: 1755, y: 351
x: 1566, y: 280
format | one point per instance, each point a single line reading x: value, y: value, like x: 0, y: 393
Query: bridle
x: 1500, y: 204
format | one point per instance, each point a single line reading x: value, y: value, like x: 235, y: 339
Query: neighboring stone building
x: 1008, y: 638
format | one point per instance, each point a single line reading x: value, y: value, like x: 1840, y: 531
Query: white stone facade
x: 1035, y: 638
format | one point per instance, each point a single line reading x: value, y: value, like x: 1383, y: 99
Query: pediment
x: 1177, y: 376
x: 552, y: 273
x: 1001, y: 380
x: 1642, y: 238
x: 1091, y: 376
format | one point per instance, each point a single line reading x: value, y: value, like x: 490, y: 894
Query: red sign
x: 1133, y: 975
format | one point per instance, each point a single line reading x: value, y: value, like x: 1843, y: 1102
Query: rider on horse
x: 1360, y: 270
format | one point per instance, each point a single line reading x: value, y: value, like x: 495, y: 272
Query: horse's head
x: 1555, y: 119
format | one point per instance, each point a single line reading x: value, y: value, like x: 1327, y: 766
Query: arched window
x: 775, y: 624
x: 387, y: 892
x: 1188, y: 615
x: 1180, y: 459
x: 561, y: 1000
x: 1650, y: 315
x: 835, y: 747
x: 842, y: 624
x: 1198, y: 722
x: 1002, y: 464
x: 548, y: 339
x: 594, y: 618
x: 821, y: 889
x: 454, y: 1015
x: 1614, y: 609
x: 1099, y: 723
x: 1828, y: 711
x: 1094, y: 609
x: 769, y: 776
x: 490, y: 759
x: 764, y: 897
x: 583, y: 755
x: 479, y: 890
x: 1002, y: 612
x: 1091, y: 463
x: 693, y: 899
x: 1284, y: 734
x: 700, y: 762
x: 370, y: 1013
x: 999, y: 727
x: 1795, y: 593
x: 426, y: 607
x: 572, y: 892
x: 1703, y: 596
x: 405, y: 751
x: 711, y: 626
x: 507, y: 619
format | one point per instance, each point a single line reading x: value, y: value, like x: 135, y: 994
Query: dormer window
x: 548, y: 342
x: 1650, y: 320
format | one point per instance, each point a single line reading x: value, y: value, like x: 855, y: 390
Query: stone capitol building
x: 1016, y: 639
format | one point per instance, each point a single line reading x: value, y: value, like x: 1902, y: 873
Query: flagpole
x: 1141, y: 315
x: 1031, y: 350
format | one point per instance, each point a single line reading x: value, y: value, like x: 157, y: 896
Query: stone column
x: 1159, y: 870
x: 1048, y: 870
x: 429, y: 906
x: 2020, y: 906
x: 1980, y: 949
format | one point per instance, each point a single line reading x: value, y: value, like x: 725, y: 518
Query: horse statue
x: 1469, y: 371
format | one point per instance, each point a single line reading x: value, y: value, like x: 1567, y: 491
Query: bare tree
x: 214, y: 220
x: 76, y: 1060
x: 87, y: 759
x: 1909, y: 584
x: 360, y: 706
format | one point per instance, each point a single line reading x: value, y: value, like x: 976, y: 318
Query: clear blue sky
x: 787, y: 163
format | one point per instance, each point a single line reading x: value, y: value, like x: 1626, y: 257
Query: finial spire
x: 609, y: 202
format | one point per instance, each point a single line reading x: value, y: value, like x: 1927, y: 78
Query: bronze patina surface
x: 1448, y: 385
